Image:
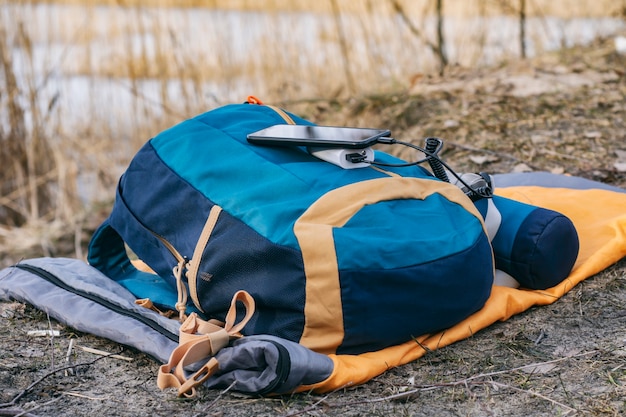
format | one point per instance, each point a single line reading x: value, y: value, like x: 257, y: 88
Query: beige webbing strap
x: 199, y: 340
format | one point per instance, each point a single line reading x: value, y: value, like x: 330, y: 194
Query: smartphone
x: 318, y: 136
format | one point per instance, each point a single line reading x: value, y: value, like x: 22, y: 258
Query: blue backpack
x: 338, y: 260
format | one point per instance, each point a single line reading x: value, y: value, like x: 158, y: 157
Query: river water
x: 77, y: 57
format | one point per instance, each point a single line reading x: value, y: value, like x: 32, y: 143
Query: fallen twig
x: 465, y: 382
x: 79, y: 395
x: 532, y: 365
x: 43, y: 333
x: 104, y: 353
x: 52, y: 335
x: 13, y: 412
x: 309, y: 408
x: 18, y: 412
x: 43, y: 377
x: 535, y: 394
x: 68, y: 359
x: 212, y: 403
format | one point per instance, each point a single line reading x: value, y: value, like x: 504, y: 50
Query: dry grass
x: 34, y: 184
x: 566, y: 8
x: 54, y: 169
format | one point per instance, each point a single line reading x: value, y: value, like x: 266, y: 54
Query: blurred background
x: 83, y: 84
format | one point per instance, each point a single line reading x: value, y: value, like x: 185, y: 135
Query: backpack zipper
x: 182, y: 263
x: 282, y: 114
x: 179, y: 258
x: 193, y: 266
x: 53, y: 279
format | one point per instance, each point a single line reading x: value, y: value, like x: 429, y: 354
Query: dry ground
x: 562, y: 113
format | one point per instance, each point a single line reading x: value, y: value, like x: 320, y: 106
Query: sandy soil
x: 564, y: 113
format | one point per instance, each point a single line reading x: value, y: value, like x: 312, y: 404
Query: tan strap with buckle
x: 201, y: 340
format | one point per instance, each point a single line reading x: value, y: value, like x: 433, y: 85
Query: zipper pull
x: 181, y: 289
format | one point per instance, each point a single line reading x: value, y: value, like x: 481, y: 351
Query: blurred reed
x: 52, y: 171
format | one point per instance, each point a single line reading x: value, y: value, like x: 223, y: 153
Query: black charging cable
x: 433, y: 147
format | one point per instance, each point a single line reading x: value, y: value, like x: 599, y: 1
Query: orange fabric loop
x: 253, y: 100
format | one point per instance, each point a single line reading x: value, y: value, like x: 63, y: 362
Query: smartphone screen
x: 318, y: 136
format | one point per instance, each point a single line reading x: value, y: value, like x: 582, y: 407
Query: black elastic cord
x: 434, y: 145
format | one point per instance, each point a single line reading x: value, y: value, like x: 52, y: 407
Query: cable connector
x: 386, y: 141
x: 345, y: 158
x: 475, y: 185
x: 356, y: 157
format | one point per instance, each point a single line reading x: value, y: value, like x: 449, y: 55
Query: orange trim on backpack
x: 253, y: 100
